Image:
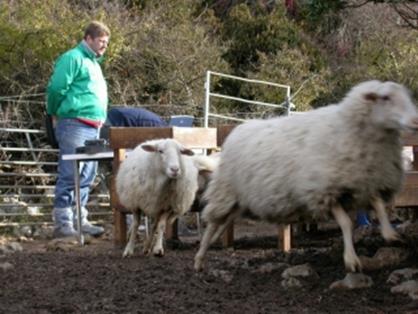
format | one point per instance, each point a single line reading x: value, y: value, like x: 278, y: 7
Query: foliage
x: 320, y: 17
x: 267, y: 45
x: 295, y: 66
x: 33, y: 34
x: 388, y: 57
x: 160, y: 50
x: 168, y: 57
x: 250, y: 33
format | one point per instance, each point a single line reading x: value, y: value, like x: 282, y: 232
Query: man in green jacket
x: 77, y: 100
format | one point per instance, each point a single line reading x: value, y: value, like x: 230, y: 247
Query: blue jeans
x: 70, y: 134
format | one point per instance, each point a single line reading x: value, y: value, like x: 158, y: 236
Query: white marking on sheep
x: 326, y: 162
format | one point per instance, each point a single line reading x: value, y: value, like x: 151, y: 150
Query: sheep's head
x: 169, y: 151
x: 392, y: 106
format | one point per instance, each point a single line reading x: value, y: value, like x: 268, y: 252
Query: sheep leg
x: 221, y: 228
x: 172, y: 218
x: 351, y: 260
x: 387, y: 231
x: 150, y: 239
x: 158, y: 249
x: 210, y: 230
x: 212, y: 233
x: 129, y: 249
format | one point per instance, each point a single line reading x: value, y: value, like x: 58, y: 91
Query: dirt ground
x: 95, y: 279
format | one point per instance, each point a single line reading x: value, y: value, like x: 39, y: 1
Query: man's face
x: 98, y: 44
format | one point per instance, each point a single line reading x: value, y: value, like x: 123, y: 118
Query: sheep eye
x: 385, y: 98
x: 160, y: 151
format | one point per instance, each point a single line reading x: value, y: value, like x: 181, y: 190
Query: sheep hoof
x: 158, y: 253
x: 127, y: 253
x: 391, y: 235
x: 147, y: 246
x: 198, y: 265
x: 353, y: 263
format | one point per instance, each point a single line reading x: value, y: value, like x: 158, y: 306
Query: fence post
x: 207, y: 95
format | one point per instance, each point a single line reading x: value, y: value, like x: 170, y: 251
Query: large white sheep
x: 160, y: 179
x: 329, y: 161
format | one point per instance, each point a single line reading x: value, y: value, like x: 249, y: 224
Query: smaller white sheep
x: 160, y: 178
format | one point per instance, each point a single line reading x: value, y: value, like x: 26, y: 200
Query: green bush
x: 167, y: 59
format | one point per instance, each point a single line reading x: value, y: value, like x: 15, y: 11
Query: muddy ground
x: 246, y: 279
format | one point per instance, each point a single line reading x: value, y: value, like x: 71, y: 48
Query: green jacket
x: 77, y: 88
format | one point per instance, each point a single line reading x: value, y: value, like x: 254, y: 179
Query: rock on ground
x: 353, y: 281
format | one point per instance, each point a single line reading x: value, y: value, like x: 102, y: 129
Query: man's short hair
x: 96, y: 29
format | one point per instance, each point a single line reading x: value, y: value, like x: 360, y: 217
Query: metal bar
x: 13, y: 174
x: 78, y: 201
x: 248, y: 101
x: 50, y: 214
x: 25, y: 195
x: 14, y: 205
x: 35, y: 158
x: 226, y: 117
x: 23, y: 214
x: 207, y: 99
x: 17, y: 224
x: 22, y: 130
x: 28, y: 163
x: 49, y: 195
x: 23, y: 149
x: 250, y: 80
x: 27, y: 186
x: 44, y: 223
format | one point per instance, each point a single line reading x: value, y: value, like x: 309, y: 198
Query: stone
x: 6, y: 266
x: 291, y: 283
x: 406, y: 287
x: 400, y: 275
x: 384, y: 257
x: 303, y: 270
x: 353, y: 281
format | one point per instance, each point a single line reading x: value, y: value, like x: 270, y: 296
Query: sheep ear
x: 371, y: 97
x: 149, y: 148
x: 186, y: 151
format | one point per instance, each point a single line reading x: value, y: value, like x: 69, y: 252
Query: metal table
x: 77, y: 158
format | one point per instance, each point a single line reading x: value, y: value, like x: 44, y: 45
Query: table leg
x: 78, y: 201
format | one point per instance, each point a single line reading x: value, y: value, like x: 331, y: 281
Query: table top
x: 97, y: 156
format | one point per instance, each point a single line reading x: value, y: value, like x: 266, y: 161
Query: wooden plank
x: 407, y: 198
x: 119, y: 228
x: 411, y: 179
x: 223, y: 132
x: 196, y: 137
x: 130, y: 137
x: 410, y: 139
x: 228, y: 236
x: 284, y: 237
x: 171, y: 230
x: 118, y: 214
